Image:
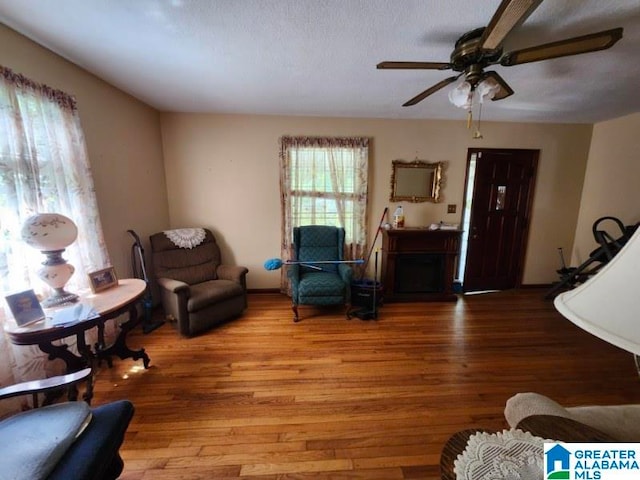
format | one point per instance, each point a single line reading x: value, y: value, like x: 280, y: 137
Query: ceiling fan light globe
x: 461, y: 95
x: 487, y: 89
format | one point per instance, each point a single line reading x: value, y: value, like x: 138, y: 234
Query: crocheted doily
x: 186, y: 237
x: 507, y: 455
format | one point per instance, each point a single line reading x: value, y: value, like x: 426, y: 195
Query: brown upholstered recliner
x: 196, y: 289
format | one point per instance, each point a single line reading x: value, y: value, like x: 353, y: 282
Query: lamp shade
x: 49, y: 231
x: 608, y: 304
x: 461, y: 95
x: 487, y: 89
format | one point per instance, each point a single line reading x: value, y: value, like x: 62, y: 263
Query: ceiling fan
x: 480, y: 48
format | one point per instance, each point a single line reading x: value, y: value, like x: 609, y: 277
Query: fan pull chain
x: 477, y: 134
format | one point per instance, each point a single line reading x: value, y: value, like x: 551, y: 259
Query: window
x: 43, y: 169
x: 324, y: 182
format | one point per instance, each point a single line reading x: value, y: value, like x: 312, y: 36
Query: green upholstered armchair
x: 326, y: 284
x: 197, y: 289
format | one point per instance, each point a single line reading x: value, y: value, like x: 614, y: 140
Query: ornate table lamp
x: 51, y: 233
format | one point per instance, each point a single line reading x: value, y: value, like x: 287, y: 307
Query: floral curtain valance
x: 342, y: 142
x: 19, y: 81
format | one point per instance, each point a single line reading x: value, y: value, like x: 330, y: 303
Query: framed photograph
x: 102, y: 279
x: 25, y: 307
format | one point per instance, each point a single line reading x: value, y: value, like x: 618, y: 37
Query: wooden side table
x: 109, y: 304
x: 543, y: 426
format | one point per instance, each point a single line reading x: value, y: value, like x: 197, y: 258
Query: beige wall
x: 223, y: 172
x: 612, y: 180
x: 123, y: 141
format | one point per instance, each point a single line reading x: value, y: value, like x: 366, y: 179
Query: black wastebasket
x: 362, y: 293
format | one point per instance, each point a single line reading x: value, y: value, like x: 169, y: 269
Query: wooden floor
x: 328, y: 398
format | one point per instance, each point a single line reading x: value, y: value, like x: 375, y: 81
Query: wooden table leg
x: 120, y: 347
x: 89, y: 358
x: 101, y: 346
x: 73, y: 363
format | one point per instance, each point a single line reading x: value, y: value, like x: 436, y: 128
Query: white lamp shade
x: 487, y: 89
x: 608, y: 304
x: 460, y: 95
x: 49, y: 231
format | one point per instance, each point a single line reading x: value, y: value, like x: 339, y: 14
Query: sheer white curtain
x: 324, y: 181
x: 43, y: 168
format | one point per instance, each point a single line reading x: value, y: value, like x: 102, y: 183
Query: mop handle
x: 373, y: 244
x: 307, y: 262
x: 564, y: 266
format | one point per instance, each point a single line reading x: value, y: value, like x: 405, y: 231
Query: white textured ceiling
x: 318, y: 57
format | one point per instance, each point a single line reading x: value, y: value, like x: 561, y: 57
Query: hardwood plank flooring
x: 329, y: 398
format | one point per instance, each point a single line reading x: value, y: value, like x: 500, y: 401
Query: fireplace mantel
x: 418, y: 264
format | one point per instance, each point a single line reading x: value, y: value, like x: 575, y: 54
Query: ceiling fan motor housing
x: 468, y: 57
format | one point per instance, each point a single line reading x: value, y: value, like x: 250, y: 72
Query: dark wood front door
x: 499, y: 217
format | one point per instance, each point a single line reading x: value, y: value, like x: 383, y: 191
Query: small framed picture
x: 25, y: 307
x: 103, y: 279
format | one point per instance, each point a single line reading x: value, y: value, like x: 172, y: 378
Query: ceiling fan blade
x: 509, y: 14
x: 571, y: 46
x: 431, y: 90
x: 414, y: 65
x: 505, y: 89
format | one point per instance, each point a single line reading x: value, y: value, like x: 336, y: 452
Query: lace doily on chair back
x: 509, y: 455
x: 186, y: 237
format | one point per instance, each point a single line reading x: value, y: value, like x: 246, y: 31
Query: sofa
x: 620, y: 422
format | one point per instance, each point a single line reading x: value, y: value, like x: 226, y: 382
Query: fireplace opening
x: 419, y: 273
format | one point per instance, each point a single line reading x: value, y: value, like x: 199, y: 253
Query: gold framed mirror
x: 416, y: 181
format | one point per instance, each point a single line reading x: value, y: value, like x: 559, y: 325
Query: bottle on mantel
x: 398, y: 217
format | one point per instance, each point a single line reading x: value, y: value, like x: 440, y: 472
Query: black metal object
x: 139, y: 268
x: 369, y: 312
x: 609, y: 246
x: 368, y: 295
x: 373, y: 244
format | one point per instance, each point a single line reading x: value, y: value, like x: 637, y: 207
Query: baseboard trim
x: 269, y: 291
